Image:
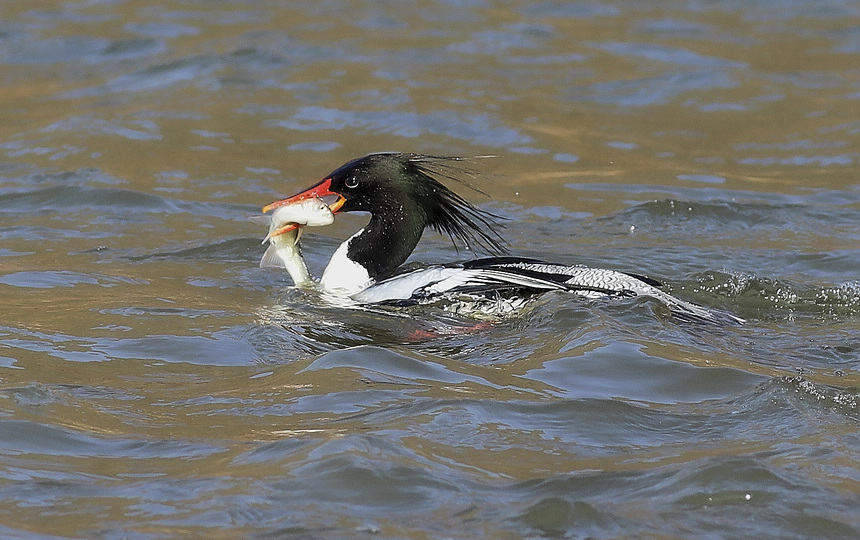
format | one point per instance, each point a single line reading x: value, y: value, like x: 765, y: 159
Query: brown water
x: 155, y: 383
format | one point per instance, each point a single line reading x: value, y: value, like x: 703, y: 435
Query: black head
x: 403, y: 196
x: 404, y: 187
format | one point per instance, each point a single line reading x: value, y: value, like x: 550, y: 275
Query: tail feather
x: 690, y: 312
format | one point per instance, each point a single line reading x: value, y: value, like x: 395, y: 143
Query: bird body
x: 403, y: 196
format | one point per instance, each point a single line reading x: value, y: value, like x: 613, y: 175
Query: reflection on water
x: 154, y: 381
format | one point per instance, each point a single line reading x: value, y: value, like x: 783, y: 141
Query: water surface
x: 155, y: 383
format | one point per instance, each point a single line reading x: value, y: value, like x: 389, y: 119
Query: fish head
x: 313, y: 213
x: 291, y: 218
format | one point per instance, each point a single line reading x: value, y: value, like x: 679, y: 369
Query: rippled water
x: 154, y: 382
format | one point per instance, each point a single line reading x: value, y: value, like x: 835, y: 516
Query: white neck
x: 343, y: 276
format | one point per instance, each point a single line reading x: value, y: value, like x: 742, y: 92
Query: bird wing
x: 487, y: 275
x: 491, y: 274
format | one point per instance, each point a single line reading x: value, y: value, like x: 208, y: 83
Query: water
x: 155, y: 383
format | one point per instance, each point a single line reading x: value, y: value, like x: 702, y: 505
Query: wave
x: 768, y: 298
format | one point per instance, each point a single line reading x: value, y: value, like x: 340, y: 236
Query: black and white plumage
x: 403, y: 196
x: 501, y: 281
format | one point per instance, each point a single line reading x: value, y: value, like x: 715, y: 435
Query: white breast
x: 343, y: 276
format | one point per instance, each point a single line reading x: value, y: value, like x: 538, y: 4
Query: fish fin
x: 271, y: 260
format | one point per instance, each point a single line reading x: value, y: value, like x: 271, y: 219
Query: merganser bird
x: 403, y: 196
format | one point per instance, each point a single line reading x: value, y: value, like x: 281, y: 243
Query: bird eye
x: 351, y: 182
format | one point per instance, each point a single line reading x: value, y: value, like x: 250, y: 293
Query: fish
x: 285, y: 228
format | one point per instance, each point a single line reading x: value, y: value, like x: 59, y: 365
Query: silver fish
x: 285, y: 227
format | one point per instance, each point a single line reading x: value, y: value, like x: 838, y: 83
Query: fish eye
x: 351, y: 182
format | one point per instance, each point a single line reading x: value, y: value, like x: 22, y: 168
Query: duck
x: 404, y: 195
